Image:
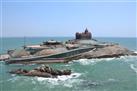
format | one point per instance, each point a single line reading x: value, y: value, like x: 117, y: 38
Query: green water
x: 108, y: 74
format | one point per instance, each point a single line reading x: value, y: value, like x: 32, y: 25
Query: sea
x: 106, y: 74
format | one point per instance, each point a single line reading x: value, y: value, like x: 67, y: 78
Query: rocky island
x: 83, y: 46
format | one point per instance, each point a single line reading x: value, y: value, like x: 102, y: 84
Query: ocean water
x: 107, y: 74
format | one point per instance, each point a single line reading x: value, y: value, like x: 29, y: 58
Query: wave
x: 133, y: 67
x: 60, y: 78
x: 135, y: 51
x: 129, y: 59
x: 67, y: 81
x: 96, y: 60
x: 84, y: 61
x: 91, y: 61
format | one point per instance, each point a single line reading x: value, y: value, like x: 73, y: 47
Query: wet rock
x: 19, y: 71
x: 43, y: 71
x: 66, y: 72
x: 38, y: 73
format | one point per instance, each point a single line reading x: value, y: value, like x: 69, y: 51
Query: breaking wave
x: 92, y: 61
x: 60, y: 78
x: 66, y: 81
x: 84, y: 61
x: 128, y: 58
x: 96, y: 60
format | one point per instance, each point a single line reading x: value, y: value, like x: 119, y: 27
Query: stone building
x: 84, y: 35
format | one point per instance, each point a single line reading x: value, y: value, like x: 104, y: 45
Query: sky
x: 48, y: 18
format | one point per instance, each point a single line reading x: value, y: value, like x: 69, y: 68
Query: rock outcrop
x: 104, y: 52
x: 43, y: 71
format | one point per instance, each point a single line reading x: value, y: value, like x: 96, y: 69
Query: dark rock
x: 43, y: 71
x: 66, y: 72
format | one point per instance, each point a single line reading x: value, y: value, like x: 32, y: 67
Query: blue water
x: 108, y: 74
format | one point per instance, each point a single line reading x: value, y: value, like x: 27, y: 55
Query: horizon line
x: 66, y: 36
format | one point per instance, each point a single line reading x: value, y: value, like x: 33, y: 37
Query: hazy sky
x: 104, y: 18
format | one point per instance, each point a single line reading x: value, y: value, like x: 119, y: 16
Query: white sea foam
x: 92, y: 61
x: 132, y: 66
x: 96, y: 60
x: 67, y: 65
x: 129, y: 58
x: 135, y: 51
x: 111, y: 80
x: 84, y: 61
x: 66, y: 81
x: 60, y: 80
